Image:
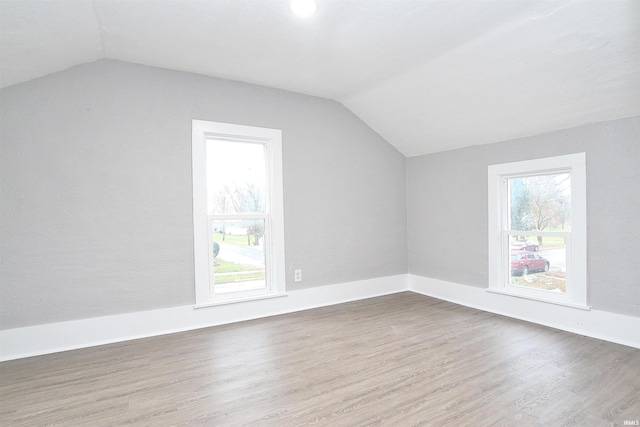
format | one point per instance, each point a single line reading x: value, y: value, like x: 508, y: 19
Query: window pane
x: 541, y: 202
x: 538, y: 262
x: 236, y: 177
x: 238, y: 255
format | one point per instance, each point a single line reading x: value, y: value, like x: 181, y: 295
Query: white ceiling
x: 427, y: 75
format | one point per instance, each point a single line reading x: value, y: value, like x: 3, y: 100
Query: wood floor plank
x: 401, y: 360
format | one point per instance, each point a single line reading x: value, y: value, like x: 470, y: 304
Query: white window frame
x: 274, y: 212
x: 576, y: 250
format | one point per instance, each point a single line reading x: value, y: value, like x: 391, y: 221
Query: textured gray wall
x: 447, y: 208
x: 96, y: 189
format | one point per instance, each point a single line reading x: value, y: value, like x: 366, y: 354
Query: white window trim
x: 201, y: 131
x: 576, y: 293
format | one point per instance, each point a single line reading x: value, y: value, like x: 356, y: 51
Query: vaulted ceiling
x: 427, y: 75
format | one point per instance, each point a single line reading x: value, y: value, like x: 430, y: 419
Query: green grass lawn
x: 230, y: 267
x: 231, y: 240
x: 222, y: 268
x: 244, y: 271
x: 553, y: 241
x: 548, y: 241
x: 240, y: 277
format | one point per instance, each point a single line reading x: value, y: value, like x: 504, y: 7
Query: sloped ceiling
x: 428, y: 75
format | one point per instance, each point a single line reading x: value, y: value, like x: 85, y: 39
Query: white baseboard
x: 54, y: 337
x: 617, y: 328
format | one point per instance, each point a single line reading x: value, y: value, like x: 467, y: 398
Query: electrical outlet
x: 297, y: 275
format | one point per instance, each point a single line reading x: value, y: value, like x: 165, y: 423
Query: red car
x: 522, y: 262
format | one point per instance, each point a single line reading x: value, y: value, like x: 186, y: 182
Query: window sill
x: 241, y: 300
x: 540, y: 299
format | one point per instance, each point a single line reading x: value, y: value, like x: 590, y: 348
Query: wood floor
x: 398, y: 360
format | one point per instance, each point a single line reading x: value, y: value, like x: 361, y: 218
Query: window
x: 537, y: 229
x: 237, y: 212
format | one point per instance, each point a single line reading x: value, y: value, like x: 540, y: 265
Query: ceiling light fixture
x: 303, y: 7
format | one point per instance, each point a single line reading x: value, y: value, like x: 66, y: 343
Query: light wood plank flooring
x: 398, y: 360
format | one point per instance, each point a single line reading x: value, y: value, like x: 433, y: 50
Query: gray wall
x: 96, y: 189
x: 447, y: 208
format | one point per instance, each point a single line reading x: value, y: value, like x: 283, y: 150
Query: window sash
x: 507, y: 232
x: 212, y: 137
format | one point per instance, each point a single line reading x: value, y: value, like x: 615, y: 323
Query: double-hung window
x: 237, y: 212
x: 537, y: 229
